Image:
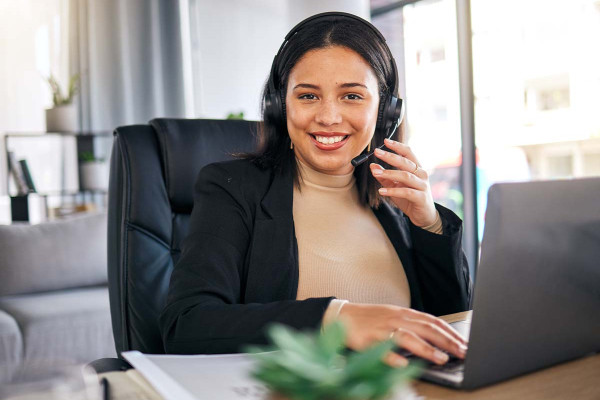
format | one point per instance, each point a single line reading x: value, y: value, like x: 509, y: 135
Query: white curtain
x: 129, y: 55
x: 128, y: 52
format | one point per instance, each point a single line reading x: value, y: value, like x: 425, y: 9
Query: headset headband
x: 334, y: 16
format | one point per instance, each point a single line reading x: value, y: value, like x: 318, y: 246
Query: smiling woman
x: 331, y: 104
x: 295, y: 234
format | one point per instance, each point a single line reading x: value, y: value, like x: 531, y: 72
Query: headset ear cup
x: 393, y: 113
x: 398, y: 111
x: 388, y: 114
x: 283, y: 110
x: 273, y: 109
x: 380, y: 126
x: 269, y: 108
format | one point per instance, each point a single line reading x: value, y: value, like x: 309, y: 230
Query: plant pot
x: 94, y: 175
x: 62, y: 119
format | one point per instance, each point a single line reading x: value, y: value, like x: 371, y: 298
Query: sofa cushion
x: 54, y: 255
x: 11, y: 347
x: 62, y: 328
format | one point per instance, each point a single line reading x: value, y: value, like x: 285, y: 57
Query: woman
x: 295, y: 234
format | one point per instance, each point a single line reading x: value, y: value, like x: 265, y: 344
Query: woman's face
x: 331, y: 104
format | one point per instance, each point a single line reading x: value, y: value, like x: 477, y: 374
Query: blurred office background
x: 532, y: 113
x: 495, y: 91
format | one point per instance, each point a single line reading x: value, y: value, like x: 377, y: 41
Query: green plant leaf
x: 239, y: 115
x: 316, y: 367
x: 359, y: 362
x: 360, y: 390
x: 332, y: 339
x: 297, y: 342
x: 73, y: 88
x: 58, y: 99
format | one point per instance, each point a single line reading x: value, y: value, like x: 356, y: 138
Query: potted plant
x: 93, y: 172
x: 304, y: 366
x: 63, y: 116
x: 233, y: 115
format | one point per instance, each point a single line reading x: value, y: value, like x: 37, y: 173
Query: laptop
x: 537, y: 295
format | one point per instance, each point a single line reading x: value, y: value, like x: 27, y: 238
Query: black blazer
x: 238, y: 270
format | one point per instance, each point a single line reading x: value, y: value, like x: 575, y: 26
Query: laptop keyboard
x: 453, y: 365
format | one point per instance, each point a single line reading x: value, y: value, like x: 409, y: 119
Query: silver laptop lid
x: 537, y: 294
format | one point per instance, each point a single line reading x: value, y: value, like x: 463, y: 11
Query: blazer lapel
x: 273, y: 259
x: 396, y: 227
x: 273, y: 255
x: 277, y: 202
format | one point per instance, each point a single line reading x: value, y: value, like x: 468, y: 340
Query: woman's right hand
x: 420, y: 333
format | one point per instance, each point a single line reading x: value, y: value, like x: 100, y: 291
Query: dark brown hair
x: 274, y: 144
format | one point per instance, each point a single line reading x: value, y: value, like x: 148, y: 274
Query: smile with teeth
x: 329, y: 139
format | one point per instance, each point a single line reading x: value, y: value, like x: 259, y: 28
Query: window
x: 553, y: 99
x: 437, y: 54
x: 536, y: 80
x: 545, y: 94
x: 591, y: 164
x: 536, y: 83
x: 429, y: 51
x: 560, y: 166
x: 430, y: 55
x: 423, y: 39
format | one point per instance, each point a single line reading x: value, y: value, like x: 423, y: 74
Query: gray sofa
x: 54, y: 307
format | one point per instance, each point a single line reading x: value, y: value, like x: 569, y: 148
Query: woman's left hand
x: 408, y: 185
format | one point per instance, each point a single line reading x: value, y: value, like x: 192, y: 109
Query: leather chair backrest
x: 153, y: 172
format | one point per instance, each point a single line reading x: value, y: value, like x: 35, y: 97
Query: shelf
x: 78, y: 134
x: 67, y: 192
x: 55, y: 168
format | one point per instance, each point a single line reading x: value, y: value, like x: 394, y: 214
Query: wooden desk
x: 579, y: 379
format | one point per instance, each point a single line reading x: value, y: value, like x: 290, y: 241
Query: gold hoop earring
x: 369, y: 147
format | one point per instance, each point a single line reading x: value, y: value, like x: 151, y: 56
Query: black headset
x: 391, y: 108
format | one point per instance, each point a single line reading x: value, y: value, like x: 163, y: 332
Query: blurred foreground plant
x: 305, y: 366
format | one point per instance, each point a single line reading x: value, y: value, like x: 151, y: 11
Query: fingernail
x: 383, y: 190
x: 462, y: 347
x: 377, y: 171
x: 440, y: 356
x: 401, y: 362
x: 390, y: 141
x: 379, y: 152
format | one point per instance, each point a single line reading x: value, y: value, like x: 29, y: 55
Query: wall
x: 233, y: 45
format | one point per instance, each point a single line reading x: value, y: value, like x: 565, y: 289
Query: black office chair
x: 153, y: 172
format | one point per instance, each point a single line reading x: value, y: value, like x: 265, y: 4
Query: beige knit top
x: 343, y: 250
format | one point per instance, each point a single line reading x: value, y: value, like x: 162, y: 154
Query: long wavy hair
x: 273, y: 140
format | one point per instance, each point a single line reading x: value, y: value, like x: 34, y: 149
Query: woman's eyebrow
x: 353, y: 84
x: 305, y: 86
x: 316, y: 87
